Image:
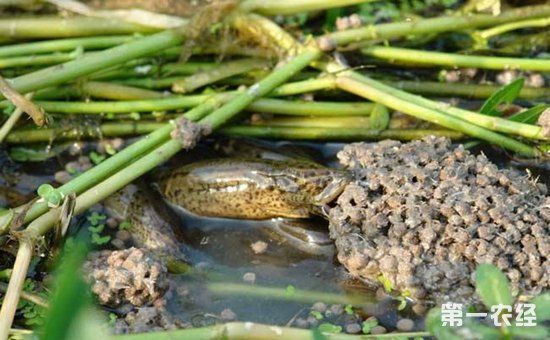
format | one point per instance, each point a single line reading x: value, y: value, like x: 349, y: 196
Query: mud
x: 132, y: 277
x: 544, y: 121
x: 423, y: 215
x: 188, y: 133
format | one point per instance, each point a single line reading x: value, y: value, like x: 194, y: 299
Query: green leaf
x: 50, y: 194
x: 330, y: 19
x: 316, y: 314
x: 125, y: 225
x: 36, y: 154
x: 69, y: 298
x: 349, y: 309
x: 368, y: 325
x: 402, y: 303
x: 542, y: 307
x: 386, y: 283
x: 492, y: 286
x: 435, y: 327
x: 317, y: 335
x: 506, y: 94
x: 529, y: 116
x: 480, y: 331
x: 96, y: 229
x: 97, y: 158
x: 290, y: 291
x: 100, y: 240
x: 112, y: 319
x: 379, y: 118
x: 95, y: 218
x: 535, y: 332
x: 109, y: 149
x: 329, y: 328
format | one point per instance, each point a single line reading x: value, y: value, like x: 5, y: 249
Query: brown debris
x: 423, y: 215
x: 544, y: 121
x: 131, y: 276
x: 147, y: 319
x: 189, y: 133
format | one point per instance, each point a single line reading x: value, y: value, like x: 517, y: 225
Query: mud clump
x: 147, y: 319
x: 188, y: 133
x: 423, y: 215
x: 132, y: 276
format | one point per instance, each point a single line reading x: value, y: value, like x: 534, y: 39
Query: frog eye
x: 286, y: 184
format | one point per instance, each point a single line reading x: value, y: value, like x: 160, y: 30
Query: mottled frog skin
x: 252, y: 188
x: 152, y: 224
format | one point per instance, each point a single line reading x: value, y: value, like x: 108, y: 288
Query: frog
x: 253, y: 189
x: 152, y: 224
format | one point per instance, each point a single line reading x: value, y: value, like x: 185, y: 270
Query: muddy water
x: 222, y: 251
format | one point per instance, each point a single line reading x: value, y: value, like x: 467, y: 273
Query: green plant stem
x: 497, y: 30
x: 361, y: 86
x: 148, y: 105
x: 283, y: 7
x: 330, y: 133
x: 97, y: 61
x: 34, y: 28
x: 269, y: 128
x: 10, y: 123
x: 306, y: 296
x: 488, y: 122
x: 169, y: 69
x: 335, y: 122
x: 116, y: 91
x: 61, y: 45
x: 432, y: 59
x: 183, y: 102
x: 31, y: 297
x: 433, y: 25
x: 119, y: 129
x: 476, y: 91
x: 306, y: 108
x: 36, y: 60
x: 225, y: 70
x: 264, y: 87
x: 15, y: 286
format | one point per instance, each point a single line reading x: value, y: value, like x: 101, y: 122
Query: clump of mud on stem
x: 423, y: 215
x: 188, y: 133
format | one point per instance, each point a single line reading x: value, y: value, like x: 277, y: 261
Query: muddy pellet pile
x: 126, y: 277
x: 423, y: 215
